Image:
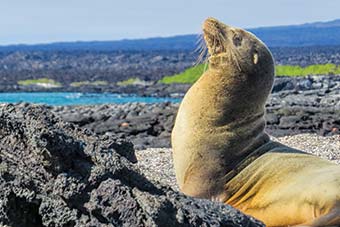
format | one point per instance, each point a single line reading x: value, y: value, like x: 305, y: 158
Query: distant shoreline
x: 281, y: 83
x: 315, y: 33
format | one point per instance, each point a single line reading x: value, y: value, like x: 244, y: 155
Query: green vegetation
x: 130, y: 81
x: 189, y: 76
x: 89, y: 83
x: 40, y: 82
x: 192, y: 74
x: 292, y: 70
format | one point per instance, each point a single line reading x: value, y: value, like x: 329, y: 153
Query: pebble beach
x: 156, y: 163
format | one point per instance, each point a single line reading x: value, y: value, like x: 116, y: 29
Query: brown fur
x: 219, y: 143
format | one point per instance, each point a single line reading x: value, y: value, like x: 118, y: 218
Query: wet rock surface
x: 296, y: 105
x: 53, y: 173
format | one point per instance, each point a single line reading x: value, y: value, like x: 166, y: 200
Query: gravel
x: 324, y: 147
x: 156, y: 163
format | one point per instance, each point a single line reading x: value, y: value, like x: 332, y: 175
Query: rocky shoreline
x: 154, y: 89
x: 112, y: 66
x: 53, y: 173
x: 300, y: 105
x: 75, y: 166
x: 150, y: 90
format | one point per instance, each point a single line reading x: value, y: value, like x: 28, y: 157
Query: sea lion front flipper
x: 331, y: 219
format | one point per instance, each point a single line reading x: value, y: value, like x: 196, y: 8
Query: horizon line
x: 152, y: 37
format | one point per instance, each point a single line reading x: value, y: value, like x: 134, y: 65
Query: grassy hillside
x: 292, y: 70
x: 190, y: 75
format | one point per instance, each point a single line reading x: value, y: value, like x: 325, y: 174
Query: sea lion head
x: 230, y: 46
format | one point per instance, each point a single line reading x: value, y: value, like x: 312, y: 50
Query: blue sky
x: 43, y: 21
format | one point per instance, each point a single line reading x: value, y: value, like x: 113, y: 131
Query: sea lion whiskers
x: 199, y: 38
x: 223, y: 42
x: 220, y: 46
x: 236, y: 60
x: 202, y: 58
x: 202, y: 50
x: 200, y: 43
x: 225, y: 51
x: 203, y: 53
x: 205, y: 66
x: 232, y: 52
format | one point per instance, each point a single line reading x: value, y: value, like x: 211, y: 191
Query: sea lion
x: 222, y: 153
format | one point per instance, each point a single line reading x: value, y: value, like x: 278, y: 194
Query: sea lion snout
x: 216, y: 36
x: 213, y: 27
x: 212, y: 22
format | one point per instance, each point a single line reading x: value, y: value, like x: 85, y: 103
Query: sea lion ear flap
x: 255, y: 57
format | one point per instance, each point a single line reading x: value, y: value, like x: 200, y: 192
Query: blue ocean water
x: 72, y: 98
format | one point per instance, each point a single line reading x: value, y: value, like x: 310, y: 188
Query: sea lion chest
x: 206, y: 137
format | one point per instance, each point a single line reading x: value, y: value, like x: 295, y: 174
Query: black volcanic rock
x: 74, y: 66
x: 296, y: 105
x: 55, y: 174
x: 145, y: 125
x: 118, y: 65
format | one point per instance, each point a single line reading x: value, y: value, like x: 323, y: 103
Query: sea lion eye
x: 237, y: 40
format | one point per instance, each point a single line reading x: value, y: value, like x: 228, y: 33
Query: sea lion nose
x: 210, y: 22
x: 213, y: 25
